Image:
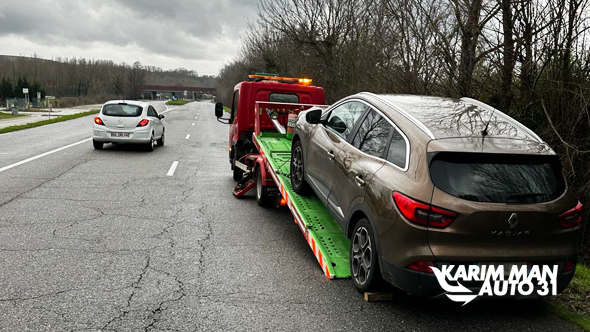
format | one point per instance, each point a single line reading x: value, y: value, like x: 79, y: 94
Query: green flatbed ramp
x: 323, y: 234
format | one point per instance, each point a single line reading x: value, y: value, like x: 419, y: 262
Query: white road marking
x: 193, y: 124
x: 187, y: 136
x: 5, y: 168
x: 172, y: 168
x: 195, y: 117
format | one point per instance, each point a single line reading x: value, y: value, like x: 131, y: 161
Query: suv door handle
x: 331, y: 155
x: 359, y: 180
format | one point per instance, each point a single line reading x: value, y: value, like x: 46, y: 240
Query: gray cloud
x: 196, y: 32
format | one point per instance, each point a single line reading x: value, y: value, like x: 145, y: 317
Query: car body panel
x: 319, y: 165
x: 481, y: 231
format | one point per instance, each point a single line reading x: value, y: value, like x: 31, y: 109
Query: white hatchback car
x: 121, y: 121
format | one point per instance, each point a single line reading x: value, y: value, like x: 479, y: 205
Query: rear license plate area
x: 119, y: 134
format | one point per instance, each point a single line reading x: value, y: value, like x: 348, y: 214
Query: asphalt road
x: 105, y: 240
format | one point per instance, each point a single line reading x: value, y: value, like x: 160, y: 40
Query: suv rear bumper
x: 426, y: 284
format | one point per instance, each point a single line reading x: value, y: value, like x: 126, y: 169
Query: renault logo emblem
x: 513, y: 220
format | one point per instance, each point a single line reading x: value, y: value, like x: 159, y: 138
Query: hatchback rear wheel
x: 97, y: 145
x: 364, y: 262
x: 161, y: 140
x: 150, y: 145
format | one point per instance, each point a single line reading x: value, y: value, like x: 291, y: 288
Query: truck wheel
x: 262, y: 197
x: 364, y: 262
x: 97, y: 145
x: 238, y: 172
x: 297, y: 169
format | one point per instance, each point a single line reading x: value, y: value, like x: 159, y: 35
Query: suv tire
x: 297, y: 169
x: 364, y: 261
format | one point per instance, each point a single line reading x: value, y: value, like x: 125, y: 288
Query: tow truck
x: 263, y: 114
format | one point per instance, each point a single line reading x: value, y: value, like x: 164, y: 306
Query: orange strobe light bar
x: 299, y: 80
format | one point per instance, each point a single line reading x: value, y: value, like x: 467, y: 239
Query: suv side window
x: 343, y: 118
x: 397, y: 150
x: 373, y: 134
x: 234, y: 106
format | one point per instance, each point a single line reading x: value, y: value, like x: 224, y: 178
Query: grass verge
x: 227, y: 109
x: 9, y: 116
x: 177, y: 102
x: 49, y: 121
x: 574, y: 303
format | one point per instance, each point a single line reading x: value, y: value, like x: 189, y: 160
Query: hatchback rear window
x: 498, y: 178
x: 122, y: 110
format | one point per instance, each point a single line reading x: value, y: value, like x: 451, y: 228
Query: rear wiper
x: 469, y: 197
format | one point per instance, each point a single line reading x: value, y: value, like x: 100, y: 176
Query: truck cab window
x: 283, y: 98
x: 234, y: 105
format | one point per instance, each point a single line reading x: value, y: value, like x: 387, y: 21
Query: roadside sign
x: 38, y: 96
x: 25, y: 90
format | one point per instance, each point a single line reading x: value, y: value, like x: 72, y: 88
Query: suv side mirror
x: 161, y: 116
x: 313, y: 116
x: 218, y: 110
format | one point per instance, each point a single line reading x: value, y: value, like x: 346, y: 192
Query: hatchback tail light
x: 421, y: 266
x: 98, y: 121
x: 572, y: 217
x: 422, y: 213
x: 143, y: 123
x: 569, y: 265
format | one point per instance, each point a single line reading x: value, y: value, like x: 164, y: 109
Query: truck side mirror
x: 313, y: 116
x: 218, y: 110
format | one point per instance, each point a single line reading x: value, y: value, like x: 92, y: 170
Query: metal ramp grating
x: 327, y: 235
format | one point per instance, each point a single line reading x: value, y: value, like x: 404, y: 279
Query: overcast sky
x: 195, y: 34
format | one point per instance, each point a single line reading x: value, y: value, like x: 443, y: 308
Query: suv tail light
x: 421, y: 266
x: 98, y: 121
x: 143, y: 123
x: 422, y: 213
x: 572, y: 217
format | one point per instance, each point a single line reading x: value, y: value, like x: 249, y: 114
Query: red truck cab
x: 268, y: 88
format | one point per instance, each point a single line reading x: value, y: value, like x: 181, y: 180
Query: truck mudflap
x: 321, y: 231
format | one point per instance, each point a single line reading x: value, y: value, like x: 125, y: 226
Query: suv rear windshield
x: 498, y: 178
x: 122, y: 110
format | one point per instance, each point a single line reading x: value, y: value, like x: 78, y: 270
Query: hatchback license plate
x: 119, y: 134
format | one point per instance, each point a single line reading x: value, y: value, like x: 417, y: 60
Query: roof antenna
x: 484, y: 132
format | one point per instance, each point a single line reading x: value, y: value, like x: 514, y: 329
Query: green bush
x: 177, y: 102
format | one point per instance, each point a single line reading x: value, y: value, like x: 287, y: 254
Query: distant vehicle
x: 134, y: 122
x: 417, y: 182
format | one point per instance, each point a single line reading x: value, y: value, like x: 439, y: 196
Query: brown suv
x: 420, y: 181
